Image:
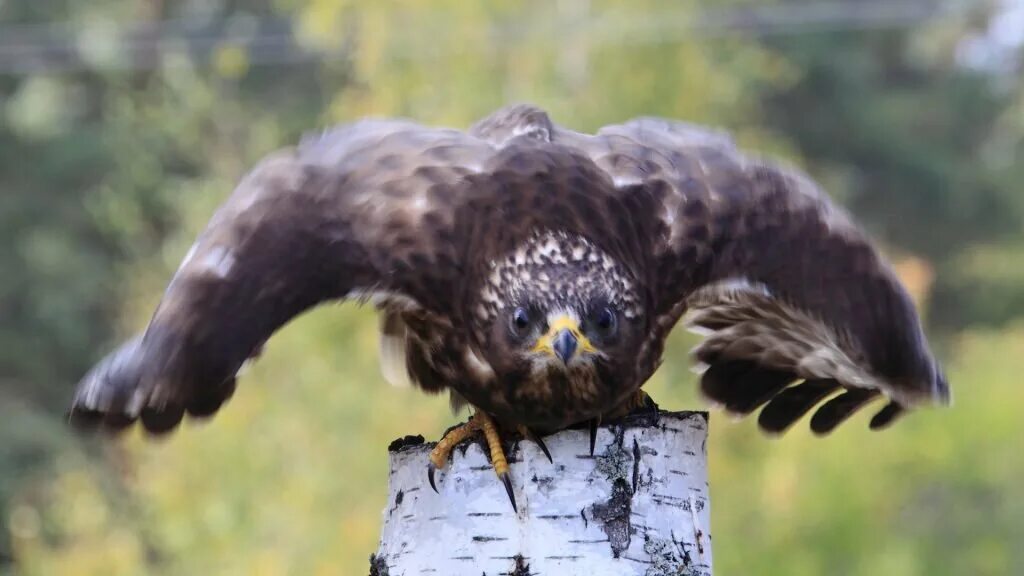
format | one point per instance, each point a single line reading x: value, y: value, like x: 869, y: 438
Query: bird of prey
x: 534, y: 272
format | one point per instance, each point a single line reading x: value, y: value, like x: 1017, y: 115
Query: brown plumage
x: 535, y: 273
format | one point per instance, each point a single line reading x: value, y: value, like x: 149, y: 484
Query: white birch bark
x: 638, y: 506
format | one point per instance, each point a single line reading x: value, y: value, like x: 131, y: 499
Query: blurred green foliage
x: 108, y: 171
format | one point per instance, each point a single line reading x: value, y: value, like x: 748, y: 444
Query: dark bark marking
x: 488, y: 539
x: 669, y: 557
x: 520, y: 567
x: 398, y: 502
x: 636, y: 463
x: 615, y: 517
x: 544, y: 483
x: 405, y: 442
x: 616, y: 462
x: 378, y: 566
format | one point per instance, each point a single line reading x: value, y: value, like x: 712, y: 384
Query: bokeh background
x: 123, y: 123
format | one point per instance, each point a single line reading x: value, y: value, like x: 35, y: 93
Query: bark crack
x: 636, y: 463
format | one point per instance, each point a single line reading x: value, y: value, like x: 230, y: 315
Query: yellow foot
x: 637, y: 401
x: 440, y: 454
x: 640, y: 400
x: 479, y: 422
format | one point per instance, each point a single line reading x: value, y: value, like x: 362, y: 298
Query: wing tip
x: 120, y: 391
x: 942, y: 394
x: 933, y: 389
x: 886, y: 416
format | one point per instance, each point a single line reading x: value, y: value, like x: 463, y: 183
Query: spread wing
x: 365, y: 210
x: 795, y: 304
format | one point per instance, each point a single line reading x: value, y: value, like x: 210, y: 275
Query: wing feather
x: 771, y: 272
x: 362, y: 210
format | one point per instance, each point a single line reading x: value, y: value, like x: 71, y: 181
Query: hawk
x: 534, y: 273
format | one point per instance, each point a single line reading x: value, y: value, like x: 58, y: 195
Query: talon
x: 479, y: 422
x: 645, y: 401
x: 526, y: 433
x: 543, y: 448
x: 640, y: 401
x: 430, y: 476
x: 507, y: 481
x: 593, y: 433
x: 440, y: 454
x: 498, y: 460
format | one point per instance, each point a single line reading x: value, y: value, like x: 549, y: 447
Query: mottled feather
x: 770, y: 270
x: 426, y: 224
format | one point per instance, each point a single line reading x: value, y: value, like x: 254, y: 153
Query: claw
x: 507, y: 481
x: 498, y: 460
x: 480, y: 422
x: 430, y: 476
x: 543, y: 448
x: 593, y: 433
x: 527, y: 433
x: 439, y: 455
x: 648, y: 403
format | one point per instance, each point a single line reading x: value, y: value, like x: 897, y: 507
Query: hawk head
x: 559, y: 312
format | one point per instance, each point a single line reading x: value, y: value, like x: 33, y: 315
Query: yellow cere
x: 563, y: 322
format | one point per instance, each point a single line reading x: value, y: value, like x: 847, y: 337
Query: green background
x: 115, y: 149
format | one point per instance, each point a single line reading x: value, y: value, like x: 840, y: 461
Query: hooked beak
x: 564, y: 345
x: 564, y: 340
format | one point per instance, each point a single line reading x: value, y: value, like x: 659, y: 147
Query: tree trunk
x: 638, y: 506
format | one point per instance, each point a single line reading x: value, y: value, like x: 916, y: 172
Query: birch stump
x: 638, y: 506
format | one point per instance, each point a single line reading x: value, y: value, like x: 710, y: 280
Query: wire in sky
x: 27, y: 49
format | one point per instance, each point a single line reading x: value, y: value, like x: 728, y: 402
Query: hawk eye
x: 605, y: 321
x: 520, y: 321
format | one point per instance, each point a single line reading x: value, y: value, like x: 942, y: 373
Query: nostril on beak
x: 564, y: 345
